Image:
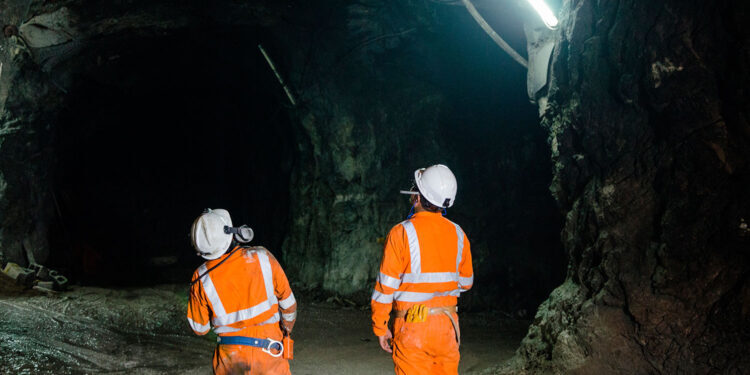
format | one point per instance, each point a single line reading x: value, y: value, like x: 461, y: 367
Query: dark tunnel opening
x: 154, y: 130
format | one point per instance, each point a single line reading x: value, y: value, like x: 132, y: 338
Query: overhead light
x: 545, y: 12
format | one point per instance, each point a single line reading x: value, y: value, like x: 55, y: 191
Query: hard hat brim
x: 409, y: 192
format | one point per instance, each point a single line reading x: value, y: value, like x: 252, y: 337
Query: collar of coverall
x: 219, y: 259
x: 428, y: 214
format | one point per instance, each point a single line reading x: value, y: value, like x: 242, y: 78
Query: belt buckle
x: 271, y: 343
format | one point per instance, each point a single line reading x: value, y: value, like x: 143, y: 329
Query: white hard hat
x: 437, y: 184
x: 208, y: 234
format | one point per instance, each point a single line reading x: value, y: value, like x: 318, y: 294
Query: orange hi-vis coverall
x: 426, y: 260
x: 242, y: 297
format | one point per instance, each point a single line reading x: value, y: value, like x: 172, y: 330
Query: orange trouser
x: 242, y: 359
x: 425, y: 348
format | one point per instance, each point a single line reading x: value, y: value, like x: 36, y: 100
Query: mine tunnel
x: 600, y: 152
x: 153, y: 131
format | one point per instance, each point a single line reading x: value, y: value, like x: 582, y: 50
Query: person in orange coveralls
x: 426, y: 265
x: 242, y: 294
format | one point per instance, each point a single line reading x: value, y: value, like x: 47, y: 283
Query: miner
x: 426, y: 265
x: 244, y: 295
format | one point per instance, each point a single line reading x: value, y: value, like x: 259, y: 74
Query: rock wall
x: 415, y: 84
x: 648, y: 120
x: 345, y: 191
x: 25, y: 143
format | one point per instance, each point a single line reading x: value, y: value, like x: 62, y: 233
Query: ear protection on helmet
x: 243, y: 234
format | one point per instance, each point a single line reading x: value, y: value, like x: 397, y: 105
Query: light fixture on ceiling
x: 545, y: 12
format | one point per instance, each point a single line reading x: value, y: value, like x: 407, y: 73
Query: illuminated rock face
x: 648, y: 117
x: 410, y: 101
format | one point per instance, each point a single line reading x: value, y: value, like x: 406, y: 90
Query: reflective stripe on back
x: 265, y: 268
x: 271, y: 320
x: 211, y: 293
x: 220, y: 317
x: 411, y: 234
x: 241, y: 315
x: 422, y: 297
x: 228, y: 329
x: 416, y: 276
x: 429, y: 277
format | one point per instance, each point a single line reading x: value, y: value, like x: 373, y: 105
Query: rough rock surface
x: 401, y: 87
x: 648, y: 120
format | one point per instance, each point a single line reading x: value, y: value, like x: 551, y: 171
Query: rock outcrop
x: 648, y: 120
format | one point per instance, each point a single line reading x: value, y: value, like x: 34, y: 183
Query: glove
x: 417, y: 314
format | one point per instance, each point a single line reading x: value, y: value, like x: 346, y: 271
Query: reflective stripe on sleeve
x: 197, y: 327
x: 382, y: 298
x: 265, y: 268
x: 460, y: 247
x: 430, y: 277
x: 422, y: 297
x: 411, y: 234
x: 466, y: 281
x: 289, y: 317
x: 287, y: 302
x: 388, y: 281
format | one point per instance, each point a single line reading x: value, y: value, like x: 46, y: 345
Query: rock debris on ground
x: 91, y: 330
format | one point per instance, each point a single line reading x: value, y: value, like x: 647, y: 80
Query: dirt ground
x: 143, y: 331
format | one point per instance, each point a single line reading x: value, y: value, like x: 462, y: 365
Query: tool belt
x: 419, y: 313
x: 267, y: 345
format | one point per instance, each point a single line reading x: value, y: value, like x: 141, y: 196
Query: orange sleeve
x: 283, y: 292
x: 392, y: 266
x: 465, y: 268
x: 197, y: 309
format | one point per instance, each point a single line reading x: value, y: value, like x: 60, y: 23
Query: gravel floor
x: 143, y: 331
